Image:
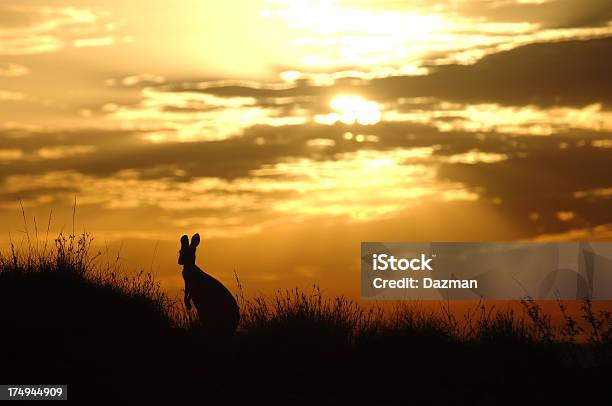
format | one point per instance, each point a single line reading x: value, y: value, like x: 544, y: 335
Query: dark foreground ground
x: 111, y: 337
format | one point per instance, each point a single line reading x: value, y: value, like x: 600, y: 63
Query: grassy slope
x: 65, y: 321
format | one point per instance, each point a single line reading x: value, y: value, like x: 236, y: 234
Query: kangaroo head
x: 187, y: 253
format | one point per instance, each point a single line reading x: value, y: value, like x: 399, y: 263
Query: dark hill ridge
x: 61, y: 327
x: 112, y: 337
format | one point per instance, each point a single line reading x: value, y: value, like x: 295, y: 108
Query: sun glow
x: 350, y: 109
x: 336, y: 33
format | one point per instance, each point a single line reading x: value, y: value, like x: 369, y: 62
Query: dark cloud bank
x: 568, y: 73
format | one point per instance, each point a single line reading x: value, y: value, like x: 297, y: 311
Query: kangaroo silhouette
x: 217, y: 308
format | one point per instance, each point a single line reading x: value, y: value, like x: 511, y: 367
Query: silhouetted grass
x: 69, y: 260
x: 71, y: 316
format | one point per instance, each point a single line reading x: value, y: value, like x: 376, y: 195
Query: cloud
x: 547, y: 13
x: 11, y: 154
x: 551, y: 13
x: 30, y: 140
x: 293, y: 173
x: 192, y: 116
x: 7, y: 95
x: 513, y: 120
x: 560, y: 73
x: 358, y: 186
x: 65, y: 151
x: 544, y: 181
x: 526, y: 131
x: 142, y: 79
x: 31, y: 29
x: 394, y: 38
x: 531, y: 90
x: 565, y: 73
x: 11, y: 70
x: 93, y: 42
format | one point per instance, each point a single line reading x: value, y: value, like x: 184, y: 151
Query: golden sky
x: 286, y: 132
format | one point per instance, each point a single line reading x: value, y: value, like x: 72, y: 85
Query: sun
x: 351, y: 109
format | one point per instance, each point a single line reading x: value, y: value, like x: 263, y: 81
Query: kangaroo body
x: 216, y: 306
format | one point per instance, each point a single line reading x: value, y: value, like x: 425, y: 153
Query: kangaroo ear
x: 184, y: 241
x: 195, y: 240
